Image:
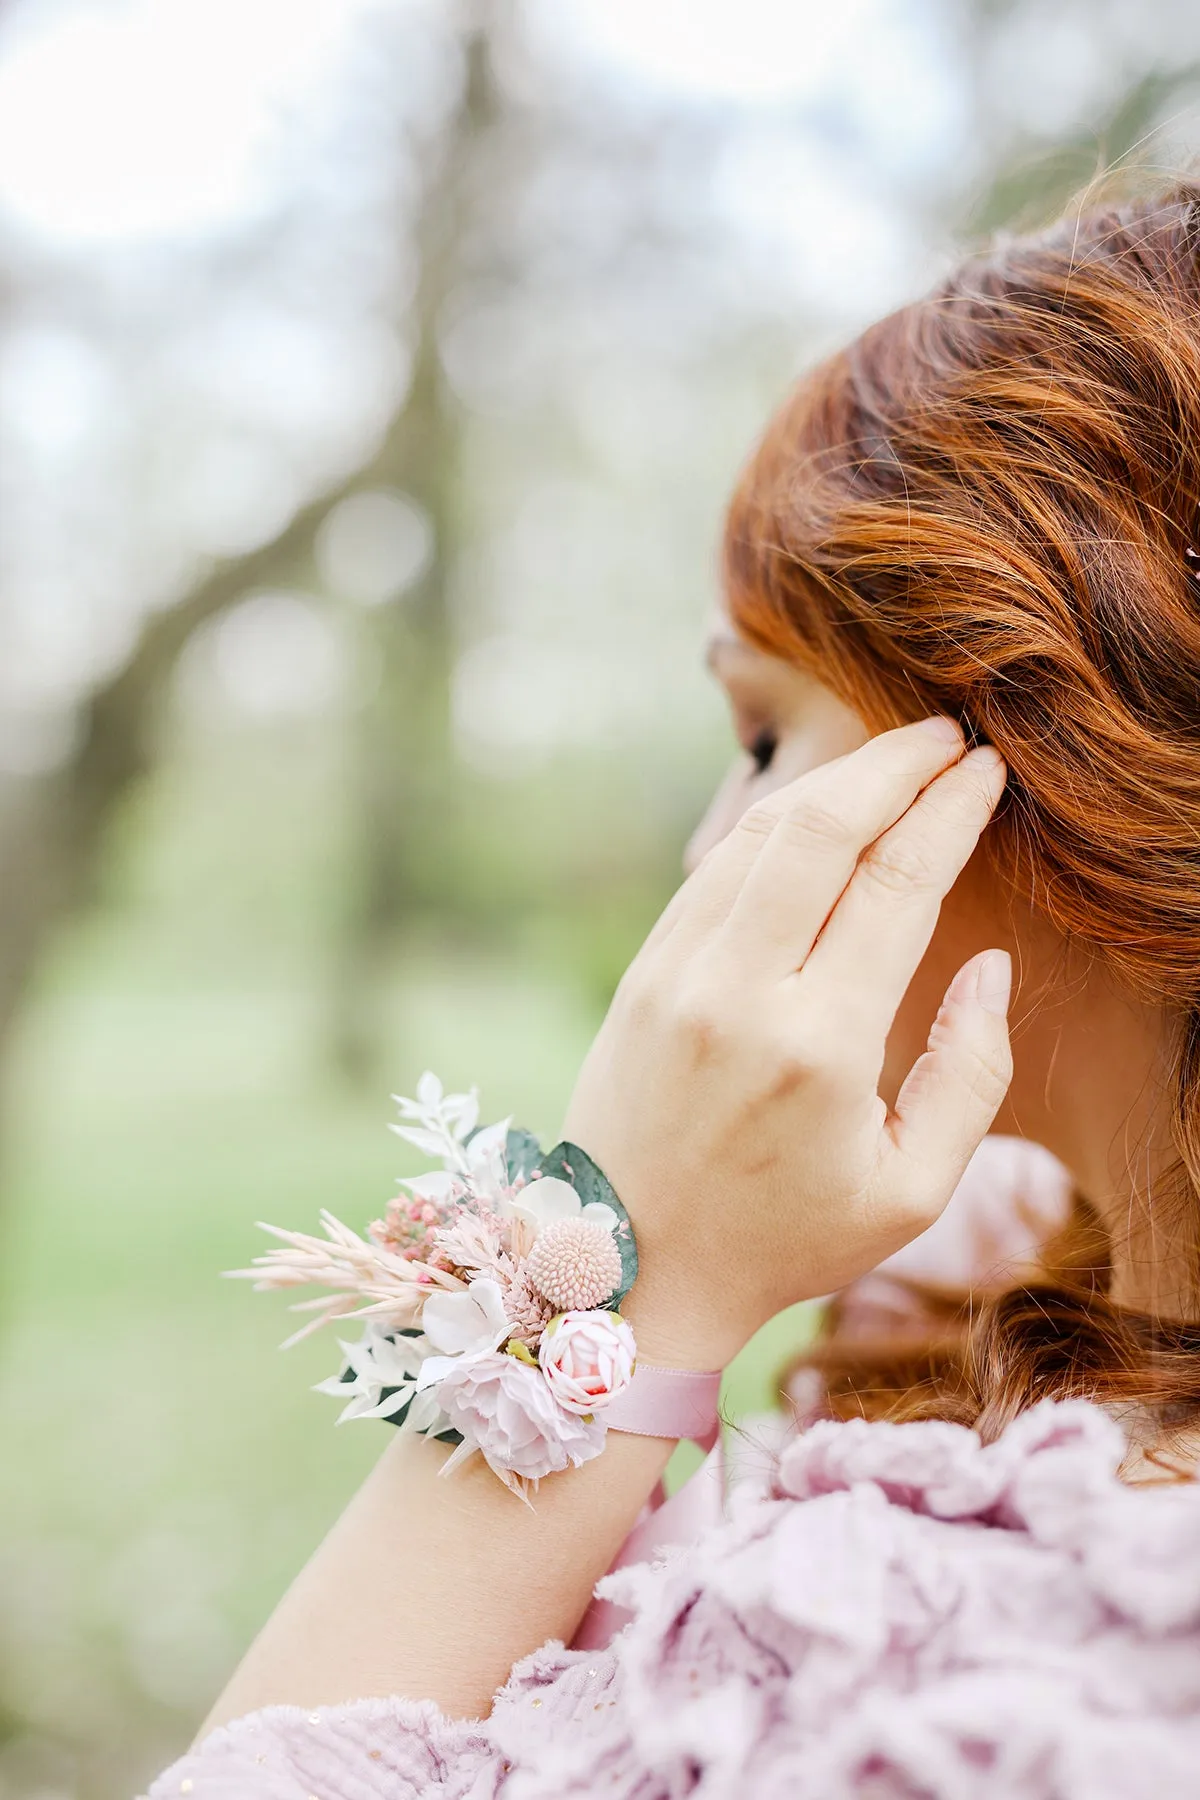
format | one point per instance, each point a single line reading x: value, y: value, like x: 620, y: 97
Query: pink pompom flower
x: 504, y: 1408
x: 576, y: 1264
x: 587, y: 1359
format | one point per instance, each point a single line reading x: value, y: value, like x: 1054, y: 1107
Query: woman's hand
x: 731, y: 1095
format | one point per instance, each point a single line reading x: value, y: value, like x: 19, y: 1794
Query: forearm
x: 750, y: 1145
x: 432, y: 1587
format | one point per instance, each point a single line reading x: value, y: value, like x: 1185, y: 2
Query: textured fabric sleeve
x: 906, y: 1610
x: 365, y: 1750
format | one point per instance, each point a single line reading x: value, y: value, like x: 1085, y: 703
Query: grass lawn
x: 165, y: 1468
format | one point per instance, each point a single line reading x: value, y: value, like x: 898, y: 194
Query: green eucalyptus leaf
x: 567, y: 1162
x: 522, y: 1153
x: 555, y: 1163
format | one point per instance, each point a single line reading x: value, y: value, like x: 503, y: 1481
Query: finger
x: 880, y: 929
x: 784, y: 872
x: 953, y: 1091
x: 703, y: 900
x: 685, y: 895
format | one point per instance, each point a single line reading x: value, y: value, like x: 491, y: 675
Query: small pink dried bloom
x: 576, y: 1264
x: 408, y: 1227
x: 529, y: 1312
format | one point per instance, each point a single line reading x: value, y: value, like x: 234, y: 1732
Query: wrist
x: 674, y: 1331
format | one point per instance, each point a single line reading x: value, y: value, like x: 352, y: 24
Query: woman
x: 962, y: 648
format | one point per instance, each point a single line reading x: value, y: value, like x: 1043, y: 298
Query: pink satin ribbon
x: 668, y: 1403
x: 1013, y: 1196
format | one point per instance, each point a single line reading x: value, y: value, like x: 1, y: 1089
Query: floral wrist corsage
x: 490, y: 1291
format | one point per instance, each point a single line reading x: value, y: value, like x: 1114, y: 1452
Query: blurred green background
x: 372, y: 374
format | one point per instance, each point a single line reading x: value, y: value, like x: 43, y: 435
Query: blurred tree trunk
x: 404, y: 765
x: 53, y: 826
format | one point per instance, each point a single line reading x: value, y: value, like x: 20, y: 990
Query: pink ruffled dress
x: 896, y: 1612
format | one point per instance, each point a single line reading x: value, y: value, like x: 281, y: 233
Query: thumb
x: 953, y: 1091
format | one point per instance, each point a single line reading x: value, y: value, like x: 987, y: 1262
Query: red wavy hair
x: 989, y: 505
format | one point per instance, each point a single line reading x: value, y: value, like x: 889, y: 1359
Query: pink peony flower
x: 505, y: 1408
x: 587, y: 1359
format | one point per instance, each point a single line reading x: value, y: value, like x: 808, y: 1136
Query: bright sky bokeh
x: 122, y: 119
x: 210, y: 221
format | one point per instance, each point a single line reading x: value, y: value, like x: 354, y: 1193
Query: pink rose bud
x: 587, y: 1359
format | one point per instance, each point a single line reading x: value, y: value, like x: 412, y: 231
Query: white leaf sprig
x: 443, y: 1121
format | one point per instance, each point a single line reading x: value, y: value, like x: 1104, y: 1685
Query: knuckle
x: 819, y: 1045
x: 1000, y: 1071
x: 798, y: 1065
x: 958, y: 803
x: 989, y: 1072
x: 901, y: 868
x: 961, y: 803
x: 792, y: 1065
x: 813, y: 822
x: 758, y: 821
x: 639, y: 995
x: 700, y: 1020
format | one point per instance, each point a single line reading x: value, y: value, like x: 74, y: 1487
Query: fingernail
x: 993, y: 981
x: 939, y: 726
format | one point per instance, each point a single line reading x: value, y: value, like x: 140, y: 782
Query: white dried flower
x: 543, y: 1201
x: 467, y: 1323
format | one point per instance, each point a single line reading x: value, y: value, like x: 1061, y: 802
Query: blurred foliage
x: 1037, y: 181
x: 285, y: 826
